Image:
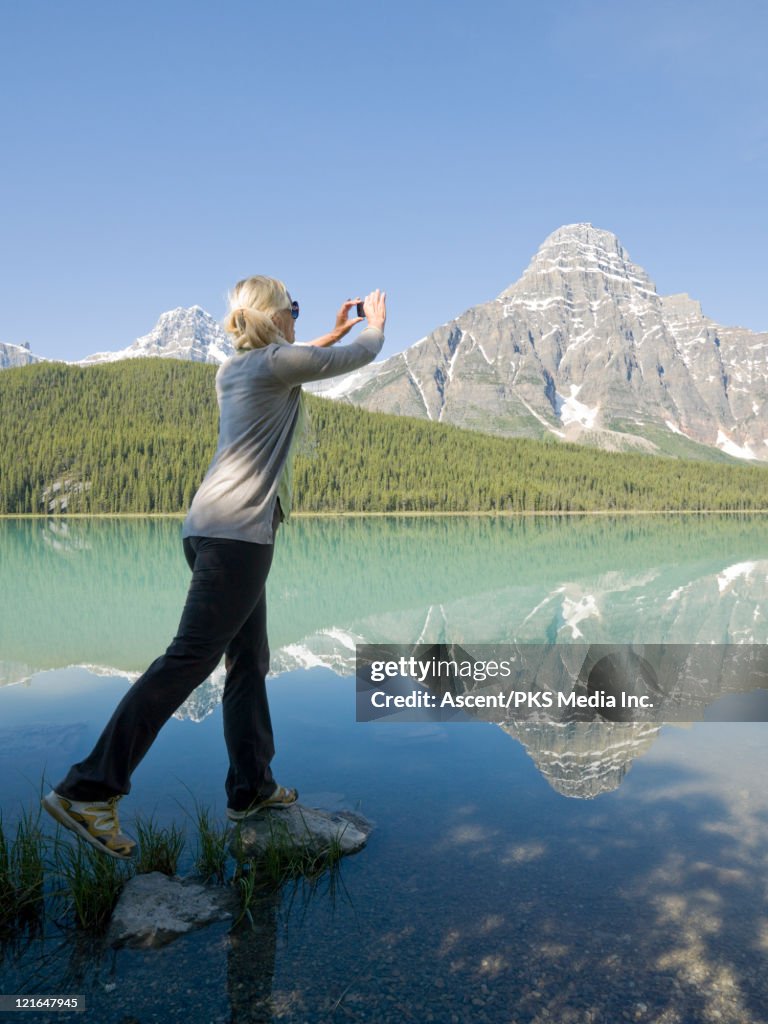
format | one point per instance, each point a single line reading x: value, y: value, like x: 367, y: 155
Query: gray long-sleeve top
x: 258, y: 393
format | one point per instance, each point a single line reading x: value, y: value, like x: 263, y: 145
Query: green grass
x: 212, y: 843
x: 212, y: 840
x: 674, y: 445
x: 285, y: 857
x: 92, y: 882
x: 159, y: 849
x: 246, y: 883
x: 22, y: 860
x: 87, y: 883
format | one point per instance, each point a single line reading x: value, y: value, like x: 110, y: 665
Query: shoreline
x: 506, y: 514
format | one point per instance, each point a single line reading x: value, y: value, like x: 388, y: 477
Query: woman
x: 228, y: 538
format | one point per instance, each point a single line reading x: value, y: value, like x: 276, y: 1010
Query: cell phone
x: 360, y: 310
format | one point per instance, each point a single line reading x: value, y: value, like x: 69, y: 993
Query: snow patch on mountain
x: 570, y: 410
x: 16, y: 355
x: 730, y: 447
x: 180, y: 333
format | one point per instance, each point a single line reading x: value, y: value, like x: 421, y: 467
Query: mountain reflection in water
x: 107, y: 594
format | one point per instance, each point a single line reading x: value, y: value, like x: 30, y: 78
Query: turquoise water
x: 521, y: 873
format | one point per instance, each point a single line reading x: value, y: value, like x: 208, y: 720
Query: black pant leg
x: 227, y: 582
x: 245, y: 709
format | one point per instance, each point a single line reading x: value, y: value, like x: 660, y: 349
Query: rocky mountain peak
x: 180, y: 333
x: 585, y: 234
x: 582, y: 252
x: 682, y: 307
x: 178, y: 320
x: 16, y: 355
x: 583, y: 348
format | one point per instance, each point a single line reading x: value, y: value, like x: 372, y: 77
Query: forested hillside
x: 137, y: 436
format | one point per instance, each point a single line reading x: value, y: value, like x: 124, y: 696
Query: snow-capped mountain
x: 583, y: 347
x: 16, y: 355
x: 179, y: 334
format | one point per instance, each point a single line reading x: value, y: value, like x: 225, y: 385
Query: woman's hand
x: 375, y: 307
x: 343, y: 324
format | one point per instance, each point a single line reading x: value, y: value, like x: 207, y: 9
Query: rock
x: 154, y: 909
x: 307, y: 828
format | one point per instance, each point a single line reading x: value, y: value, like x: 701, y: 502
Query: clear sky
x: 154, y: 153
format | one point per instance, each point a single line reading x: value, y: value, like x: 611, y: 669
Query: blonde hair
x: 251, y: 304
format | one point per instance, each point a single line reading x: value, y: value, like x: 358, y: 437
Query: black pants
x: 225, y: 613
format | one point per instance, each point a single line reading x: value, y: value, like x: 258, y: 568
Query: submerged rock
x: 154, y: 909
x: 308, y: 829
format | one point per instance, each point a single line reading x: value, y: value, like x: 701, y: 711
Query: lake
x: 517, y: 872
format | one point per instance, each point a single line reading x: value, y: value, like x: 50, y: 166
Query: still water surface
x: 516, y: 873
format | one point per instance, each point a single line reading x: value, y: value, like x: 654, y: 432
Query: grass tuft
x: 92, y: 880
x: 158, y: 849
x: 284, y: 859
x: 288, y: 857
x: 212, y: 842
x: 246, y: 882
x: 22, y: 863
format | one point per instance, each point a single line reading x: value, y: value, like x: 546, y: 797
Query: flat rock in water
x: 306, y: 828
x: 154, y: 909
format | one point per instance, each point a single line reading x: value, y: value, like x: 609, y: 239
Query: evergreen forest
x: 136, y: 436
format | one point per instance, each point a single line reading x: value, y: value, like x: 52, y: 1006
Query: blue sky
x: 154, y: 153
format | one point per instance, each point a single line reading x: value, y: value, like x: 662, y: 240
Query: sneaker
x: 95, y: 821
x: 281, y: 797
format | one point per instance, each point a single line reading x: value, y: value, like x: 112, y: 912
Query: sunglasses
x: 294, y: 310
